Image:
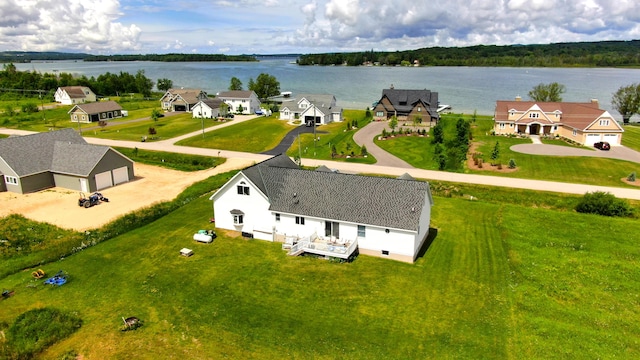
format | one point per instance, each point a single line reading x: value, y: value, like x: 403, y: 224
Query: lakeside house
x: 320, y: 109
x: 241, y: 101
x: 407, y: 105
x: 581, y: 122
x: 207, y: 109
x: 96, y: 111
x: 326, y: 213
x: 71, y: 95
x: 60, y: 158
x: 181, y: 99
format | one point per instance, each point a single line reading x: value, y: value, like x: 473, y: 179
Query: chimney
x: 595, y: 102
x: 518, y: 98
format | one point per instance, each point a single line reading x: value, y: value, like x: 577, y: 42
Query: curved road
x: 393, y: 170
x: 365, y: 137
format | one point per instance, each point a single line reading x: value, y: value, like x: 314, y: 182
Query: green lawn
x: 499, y: 281
x: 334, y: 135
x: 631, y: 137
x: 166, y: 127
x: 254, y: 136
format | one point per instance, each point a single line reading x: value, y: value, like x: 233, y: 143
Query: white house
x: 325, y: 212
x: 208, y: 109
x: 71, y: 95
x: 241, y: 101
x: 307, y: 107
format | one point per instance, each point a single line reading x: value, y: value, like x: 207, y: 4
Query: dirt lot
x: 152, y: 184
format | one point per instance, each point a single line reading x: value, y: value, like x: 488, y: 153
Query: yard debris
x: 38, y: 274
x: 131, y: 323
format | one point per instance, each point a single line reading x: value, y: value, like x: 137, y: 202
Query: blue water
x: 466, y: 89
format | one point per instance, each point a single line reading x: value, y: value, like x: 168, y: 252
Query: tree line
x: 171, y: 57
x: 583, y: 54
x: 32, y: 83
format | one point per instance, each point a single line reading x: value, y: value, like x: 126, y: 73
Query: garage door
x: 120, y: 175
x: 592, y: 139
x: 103, y: 180
x: 612, y: 139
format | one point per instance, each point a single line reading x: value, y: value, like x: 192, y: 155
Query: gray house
x: 60, y: 158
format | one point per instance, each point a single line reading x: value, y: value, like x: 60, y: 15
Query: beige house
x: 585, y: 123
x: 181, y: 99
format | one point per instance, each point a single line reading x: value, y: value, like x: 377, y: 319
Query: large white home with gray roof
x: 275, y: 200
x: 60, y: 158
x: 320, y: 109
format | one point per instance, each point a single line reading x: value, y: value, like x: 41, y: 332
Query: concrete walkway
x: 540, y: 185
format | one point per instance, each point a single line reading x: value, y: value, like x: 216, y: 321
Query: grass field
x: 631, y: 137
x: 498, y: 281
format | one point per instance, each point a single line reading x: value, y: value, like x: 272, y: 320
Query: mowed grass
x: 418, y: 152
x: 166, y: 127
x: 254, y: 136
x: 631, y: 137
x: 498, y: 281
x: 334, y: 135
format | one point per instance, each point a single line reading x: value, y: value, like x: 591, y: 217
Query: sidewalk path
x: 540, y: 185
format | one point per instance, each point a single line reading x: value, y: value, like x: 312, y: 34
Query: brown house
x: 92, y: 112
x: 407, y: 105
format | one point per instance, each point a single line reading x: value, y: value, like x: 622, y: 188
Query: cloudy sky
x: 305, y: 26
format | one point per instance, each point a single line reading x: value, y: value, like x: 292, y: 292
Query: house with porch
x: 241, y: 101
x: 207, y: 109
x: 407, y: 105
x: 582, y: 122
x: 97, y: 111
x: 320, y: 109
x: 324, y: 212
x: 71, y: 95
x: 60, y: 159
x: 181, y: 99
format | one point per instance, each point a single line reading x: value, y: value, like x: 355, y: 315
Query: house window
x: 11, y: 180
x: 75, y: 117
x: 238, y: 219
x: 277, y: 217
x: 243, y: 190
x: 575, y: 132
x: 419, y: 109
x: 104, y: 115
x: 83, y: 117
x: 361, y: 231
x: 385, y: 252
x: 501, y: 125
x: 299, y: 220
x: 534, y: 115
x: 379, y: 113
x: 510, y: 125
x: 604, y: 122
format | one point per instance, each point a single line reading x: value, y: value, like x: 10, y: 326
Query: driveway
x: 288, y: 139
x: 365, y: 137
x: 616, y: 152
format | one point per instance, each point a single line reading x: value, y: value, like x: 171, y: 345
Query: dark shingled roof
x: 403, y: 99
x: 97, y: 107
x: 379, y: 201
x: 32, y: 154
x: 323, y: 168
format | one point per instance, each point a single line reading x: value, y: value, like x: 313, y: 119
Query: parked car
x: 602, y: 145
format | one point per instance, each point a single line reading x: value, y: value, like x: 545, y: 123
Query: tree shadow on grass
x: 433, y: 233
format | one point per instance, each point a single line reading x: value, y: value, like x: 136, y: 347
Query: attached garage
x: 592, y: 139
x: 120, y: 175
x: 103, y: 180
x: 613, y: 139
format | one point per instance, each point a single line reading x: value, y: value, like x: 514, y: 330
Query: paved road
x: 168, y: 145
x: 365, y: 137
x: 291, y: 136
x: 616, y: 152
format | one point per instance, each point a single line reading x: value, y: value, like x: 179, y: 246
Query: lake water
x: 466, y: 89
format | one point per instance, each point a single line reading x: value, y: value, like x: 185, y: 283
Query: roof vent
x: 295, y: 194
x: 413, y: 209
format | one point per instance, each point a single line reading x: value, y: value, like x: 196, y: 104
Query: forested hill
x: 28, y: 56
x: 172, y: 57
x: 583, y: 54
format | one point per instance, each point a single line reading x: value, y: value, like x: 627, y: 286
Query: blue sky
x: 304, y: 26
